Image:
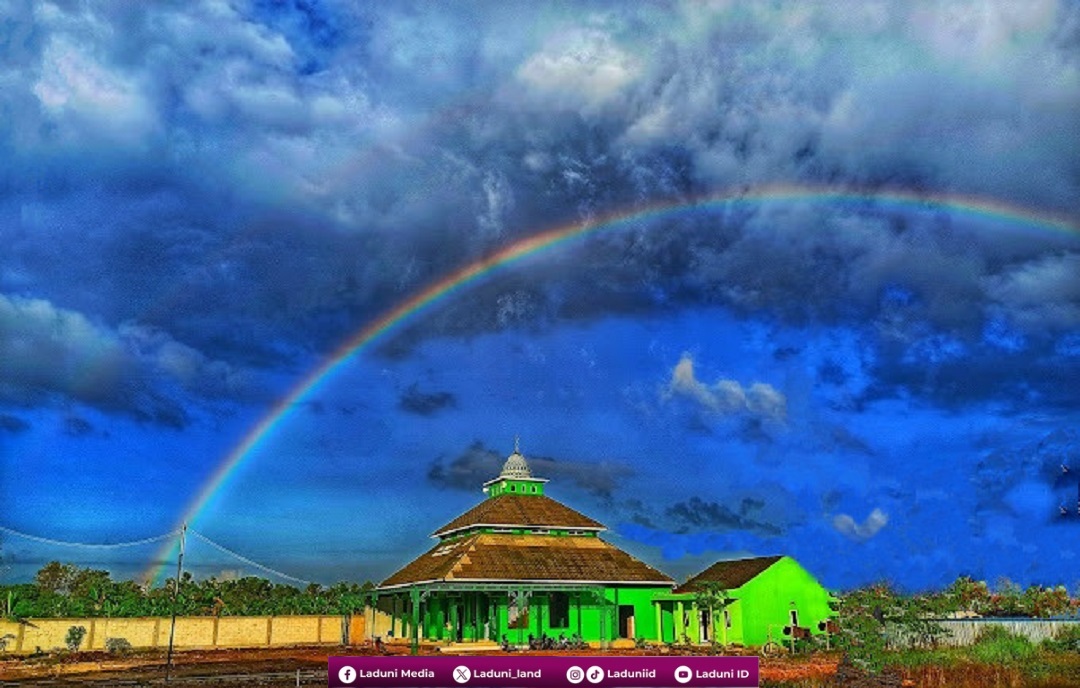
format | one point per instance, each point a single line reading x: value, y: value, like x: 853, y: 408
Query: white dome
x: 515, y: 467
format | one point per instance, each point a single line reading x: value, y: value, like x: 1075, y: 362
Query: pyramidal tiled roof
x: 730, y: 574
x: 521, y: 511
x: 498, y: 557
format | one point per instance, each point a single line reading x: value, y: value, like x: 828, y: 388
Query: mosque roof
x: 497, y: 557
x: 520, y: 511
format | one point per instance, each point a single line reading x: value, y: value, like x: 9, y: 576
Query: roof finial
x: 517, y: 444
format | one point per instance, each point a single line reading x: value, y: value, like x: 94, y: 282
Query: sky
x: 203, y: 204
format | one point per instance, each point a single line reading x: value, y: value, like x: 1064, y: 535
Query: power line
x: 245, y: 559
x: 89, y: 545
x: 145, y: 541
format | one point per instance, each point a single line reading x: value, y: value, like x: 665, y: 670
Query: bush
x: 1065, y: 640
x: 118, y: 646
x: 996, y: 645
x: 74, y: 637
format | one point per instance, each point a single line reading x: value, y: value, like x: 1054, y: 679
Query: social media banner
x: 530, y: 671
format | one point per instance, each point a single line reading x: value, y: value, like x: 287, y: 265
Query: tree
x: 55, y: 577
x: 714, y: 597
x: 876, y: 618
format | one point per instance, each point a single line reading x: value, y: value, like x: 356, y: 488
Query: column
x: 414, y: 632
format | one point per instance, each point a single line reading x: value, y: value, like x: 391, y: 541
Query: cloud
x: 49, y: 353
x: 582, y: 69
x: 1040, y: 293
x: 77, y: 427
x: 478, y: 464
x: 727, y: 397
x: 13, y: 424
x: 261, y: 195
x: 860, y: 532
x: 425, y: 404
x: 697, y: 514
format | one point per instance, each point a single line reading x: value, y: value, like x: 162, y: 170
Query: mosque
x: 522, y: 564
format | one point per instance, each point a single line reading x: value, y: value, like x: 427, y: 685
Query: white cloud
x: 1040, y: 293
x: 727, y: 397
x: 861, y: 532
x: 75, y: 88
x: 583, y: 69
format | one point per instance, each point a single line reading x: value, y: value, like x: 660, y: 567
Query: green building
x: 754, y: 600
x: 522, y: 564
x: 517, y: 564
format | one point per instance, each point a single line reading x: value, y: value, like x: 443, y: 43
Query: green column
x: 659, y: 623
x: 578, y: 598
x: 414, y: 632
x: 393, y: 615
x: 680, y: 626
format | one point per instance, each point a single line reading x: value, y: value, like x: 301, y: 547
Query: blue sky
x: 201, y: 201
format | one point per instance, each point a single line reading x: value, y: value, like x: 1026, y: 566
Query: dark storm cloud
x: 763, y: 511
x: 48, y: 352
x: 478, y: 464
x: 1026, y: 479
x: 13, y: 424
x: 77, y: 427
x: 264, y: 194
x: 698, y: 514
x: 425, y: 403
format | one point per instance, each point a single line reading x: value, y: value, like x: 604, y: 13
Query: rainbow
x: 550, y: 239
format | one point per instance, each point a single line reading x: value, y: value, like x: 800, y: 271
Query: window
x: 559, y: 609
x: 794, y: 617
x: 513, y: 488
x: 727, y: 618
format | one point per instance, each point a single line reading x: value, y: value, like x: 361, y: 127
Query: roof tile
x: 501, y: 557
x: 729, y: 574
x: 527, y: 511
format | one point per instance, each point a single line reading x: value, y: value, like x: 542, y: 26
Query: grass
x: 998, y: 659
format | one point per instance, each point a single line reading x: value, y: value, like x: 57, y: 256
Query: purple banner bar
x: 529, y: 671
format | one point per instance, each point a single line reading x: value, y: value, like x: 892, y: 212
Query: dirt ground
x: 278, y: 666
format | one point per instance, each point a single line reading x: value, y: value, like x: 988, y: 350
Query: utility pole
x: 176, y: 596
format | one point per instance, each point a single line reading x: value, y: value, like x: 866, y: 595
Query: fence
x: 966, y: 631
x: 192, y: 632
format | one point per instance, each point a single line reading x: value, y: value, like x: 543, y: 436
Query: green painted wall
x: 515, y: 487
x: 762, y: 607
x: 766, y: 601
x: 447, y: 617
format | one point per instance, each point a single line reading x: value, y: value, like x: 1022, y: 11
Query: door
x: 626, y: 621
